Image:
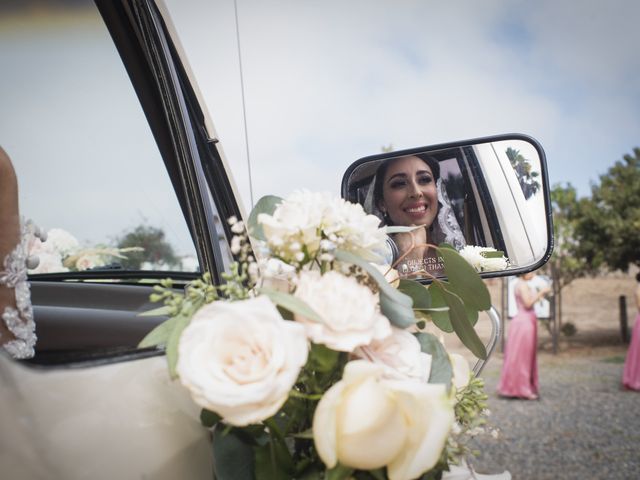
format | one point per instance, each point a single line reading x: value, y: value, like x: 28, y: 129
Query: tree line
x: 600, y: 232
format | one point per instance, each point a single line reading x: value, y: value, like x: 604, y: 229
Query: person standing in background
x: 631, y: 373
x: 519, y: 376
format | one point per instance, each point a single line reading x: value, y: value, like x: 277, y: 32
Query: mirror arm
x: 496, y: 329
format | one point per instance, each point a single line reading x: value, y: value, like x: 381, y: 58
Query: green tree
x: 156, y: 249
x: 526, y: 177
x: 566, y: 264
x: 608, y: 229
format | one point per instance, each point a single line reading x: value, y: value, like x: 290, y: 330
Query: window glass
x: 89, y: 170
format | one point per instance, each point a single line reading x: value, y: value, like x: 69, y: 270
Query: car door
x: 104, y: 166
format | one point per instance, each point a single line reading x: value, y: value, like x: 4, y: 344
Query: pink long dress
x: 631, y: 373
x: 519, y: 377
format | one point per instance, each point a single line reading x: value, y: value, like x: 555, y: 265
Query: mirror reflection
x: 487, y: 199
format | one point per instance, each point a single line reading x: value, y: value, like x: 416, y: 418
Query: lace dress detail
x: 19, y: 321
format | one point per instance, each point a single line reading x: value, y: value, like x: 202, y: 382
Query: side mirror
x: 491, y: 192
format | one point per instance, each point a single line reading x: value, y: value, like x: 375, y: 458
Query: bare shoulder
x: 6, y: 167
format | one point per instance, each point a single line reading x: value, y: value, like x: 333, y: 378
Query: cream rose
x: 240, y: 359
x: 349, y: 311
x: 400, y: 353
x: 366, y: 422
x: 461, y: 370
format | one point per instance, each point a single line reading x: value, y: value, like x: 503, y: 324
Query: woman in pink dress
x: 631, y: 374
x: 519, y: 377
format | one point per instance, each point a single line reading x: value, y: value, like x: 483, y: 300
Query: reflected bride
x: 408, y: 191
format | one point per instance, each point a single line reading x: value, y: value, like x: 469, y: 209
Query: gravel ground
x: 583, y: 427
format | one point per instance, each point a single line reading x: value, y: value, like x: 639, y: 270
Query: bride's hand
x: 413, y: 240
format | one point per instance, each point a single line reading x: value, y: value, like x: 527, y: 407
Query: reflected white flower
x: 484, y: 259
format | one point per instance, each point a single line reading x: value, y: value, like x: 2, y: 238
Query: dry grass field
x: 590, y: 304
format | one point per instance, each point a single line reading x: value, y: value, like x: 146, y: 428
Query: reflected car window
x: 89, y: 170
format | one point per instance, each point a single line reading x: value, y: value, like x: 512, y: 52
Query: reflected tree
x: 157, y: 250
x: 526, y: 176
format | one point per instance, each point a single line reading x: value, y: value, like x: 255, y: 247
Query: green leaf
x: 440, y: 318
x: 209, y: 418
x: 322, y: 358
x: 394, y: 304
x: 496, y: 254
x: 461, y: 325
x: 156, y: 312
x: 378, y: 474
x: 273, y: 462
x: 181, y: 321
x: 465, y: 280
x: 418, y: 293
x: 441, y: 369
x: 159, y: 335
x: 339, y: 472
x: 266, y: 204
x: 291, y: 303
x: 233, y: 459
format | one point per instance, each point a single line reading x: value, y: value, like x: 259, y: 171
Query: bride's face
x: 409, y: 193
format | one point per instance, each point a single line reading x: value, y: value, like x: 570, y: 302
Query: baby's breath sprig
x: 471, y: 421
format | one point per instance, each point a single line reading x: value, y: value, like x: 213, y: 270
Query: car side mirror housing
x: 493, y: 204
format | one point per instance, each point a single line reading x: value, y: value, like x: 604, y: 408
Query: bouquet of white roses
x: 310, y: 361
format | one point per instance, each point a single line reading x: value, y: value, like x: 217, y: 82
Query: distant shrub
x: 568, y: 329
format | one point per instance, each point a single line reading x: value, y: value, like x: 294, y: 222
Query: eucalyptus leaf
x: 273, y: 462
x: 159, y: 335
x: 496, y: 254
x: 458, y: 316
x: 472, y: 313
x: 266, y: 204
x: 465, y: 280
x: 156, y: 312
x: 439, y: 317
x: 181, y: 322
x: 322, y: 358
x: 441, y: 369
x: 339, y: 472
x: 418, y: 293
x: 208, y: 418
x: 394, y: 304
x: 233, y: 459
x: 291, y: 303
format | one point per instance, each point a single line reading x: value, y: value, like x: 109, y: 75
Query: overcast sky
x: 327, y: 82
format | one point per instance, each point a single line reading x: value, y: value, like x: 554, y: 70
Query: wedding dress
x: 17, y: 315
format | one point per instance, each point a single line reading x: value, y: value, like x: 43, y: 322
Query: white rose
x: 366, y: 422
x: 241, y: 359
x: 461, y: 370
x: 400, y: 353
x: 349, y: 311
x: 295, y: 222
x: 356, y: 231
